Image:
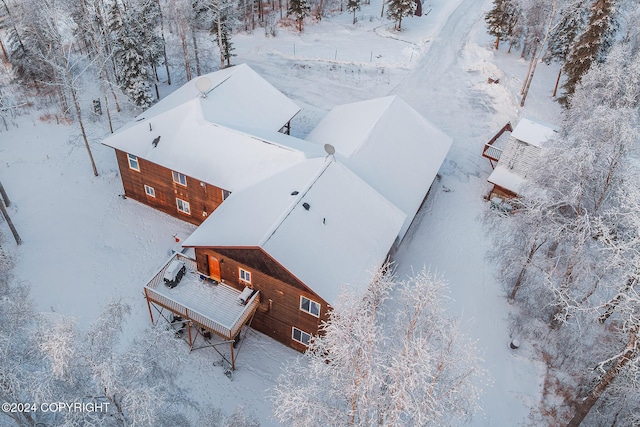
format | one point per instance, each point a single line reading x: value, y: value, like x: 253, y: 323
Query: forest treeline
x: 569, y: 254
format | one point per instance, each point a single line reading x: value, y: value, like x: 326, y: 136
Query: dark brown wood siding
x: 201, y: 198
x: 280, y: 291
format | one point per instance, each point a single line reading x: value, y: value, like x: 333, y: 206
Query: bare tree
x: 380, y: 364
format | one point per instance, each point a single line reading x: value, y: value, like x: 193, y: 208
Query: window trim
x: 133, y: 159
x: 311, y: 303
x: 179, y: 175
x: 246, y: 273
x: 302, y: 333
x: 149, y: 191
x: 227, y: 192
x: 184, y: 202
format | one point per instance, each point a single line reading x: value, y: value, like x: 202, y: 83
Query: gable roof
x: 237, y: 96
x: 209, y: 152
x: 346, y: 231
x: 201, y: 137
x: 389, y: 145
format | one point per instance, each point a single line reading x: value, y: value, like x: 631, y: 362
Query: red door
x: 214, y: 268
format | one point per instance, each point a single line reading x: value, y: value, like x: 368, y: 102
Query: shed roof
x: 389, y: 145
x: 346, y: 231
x: 533, y: 132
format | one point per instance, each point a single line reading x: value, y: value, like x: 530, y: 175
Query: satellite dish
x: 203, y: 84
x: 330, y: 149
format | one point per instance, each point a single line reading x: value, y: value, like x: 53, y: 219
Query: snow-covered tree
x: 298, y: 10
x: 590, y: 46
x: 501, y: 19
x: 353, y: 6
x: 384, y: 362
x: 131, y: 66
x: 398, y: 9
x: 572, y: 15
x: 220, y: 17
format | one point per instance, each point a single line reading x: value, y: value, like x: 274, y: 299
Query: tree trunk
x: 219, y: 29
x: 583, y: 408
x: 84, y: 133
x: 497, y: 43
x: 537, y: 57
x: 611, y: 305
x: 195, y: 51
x: 3, y: 193
x: 555, y: 89
x: 185, y: 54
x: 516, y: 286
x: 5, y: 214
x: 164, y: 44
x: 4, y: 51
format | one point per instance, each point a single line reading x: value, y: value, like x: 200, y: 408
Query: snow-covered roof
x: 200, y: 137
x: 533, y: 132
x: 506, y: 179
x: 346, y: 231
x: 209, y: 152
x: 389, y: 145
x: 237, y: 96
x: 521, y: 155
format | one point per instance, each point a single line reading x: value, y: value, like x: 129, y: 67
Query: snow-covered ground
x: 84, y: 245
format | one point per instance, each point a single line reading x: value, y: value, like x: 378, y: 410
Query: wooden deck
x: 490, y: 151
x: 213, y: 307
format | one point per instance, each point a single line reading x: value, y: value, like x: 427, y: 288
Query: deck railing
x: 493, y: 153
x: 226, y: 331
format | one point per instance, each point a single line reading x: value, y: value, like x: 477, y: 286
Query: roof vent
x: 294, y: 193
x: 155, y: 141
x: 306, y: 205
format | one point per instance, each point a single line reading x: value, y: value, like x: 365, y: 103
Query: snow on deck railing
x: 228, y: 332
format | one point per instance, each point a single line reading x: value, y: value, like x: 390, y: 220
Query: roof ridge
x: 293, y: 205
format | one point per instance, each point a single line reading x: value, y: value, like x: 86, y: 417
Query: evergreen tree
x: 132, y: 74
x: 398, y: 9
x: 353, y: 6
x: 562, y: 37
x: 220, y: 17
x: 590, y: 46
x: 298, y: 10
x: 501, y: 20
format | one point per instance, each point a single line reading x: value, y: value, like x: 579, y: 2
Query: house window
x: 244, y: 275
x: 179, y: 178
x: 309, y: 306
x: 133, y: 162
x: 149, y: 191
x: 300, y: 336
x: 225, y: 194
x: 183, y: 206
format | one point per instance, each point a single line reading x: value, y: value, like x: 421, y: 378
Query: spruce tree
x: 353, y: 6
x: 132, y: 73
x: 501, y: 20
x: 590, y: 46
x: 563, y: 36
x: 398, y: 9
x: 298, y: 10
